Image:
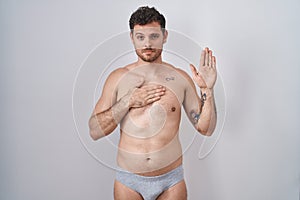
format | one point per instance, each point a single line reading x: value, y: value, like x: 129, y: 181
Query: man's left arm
x: 202, y: 110
x: 206, y: 120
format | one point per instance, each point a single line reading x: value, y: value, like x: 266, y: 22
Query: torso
x: 149, y: 142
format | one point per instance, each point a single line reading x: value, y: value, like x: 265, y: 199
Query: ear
x: 131, y: 36
x: 165, y: 36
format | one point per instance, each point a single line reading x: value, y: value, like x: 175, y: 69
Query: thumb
x: 194, y: 70
x: 140, y: 81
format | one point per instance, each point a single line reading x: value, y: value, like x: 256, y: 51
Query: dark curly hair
x: 145, y: 15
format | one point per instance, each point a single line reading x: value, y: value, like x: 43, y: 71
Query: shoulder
x: 184, y: 74
x: 118, y: 73
x: 181, y: 72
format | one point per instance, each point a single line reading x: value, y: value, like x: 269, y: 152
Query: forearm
x: 103, y: 123
x: 208, y: 116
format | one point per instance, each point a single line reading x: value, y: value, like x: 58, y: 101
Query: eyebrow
x: 139, y: 33
x: 149, y: 34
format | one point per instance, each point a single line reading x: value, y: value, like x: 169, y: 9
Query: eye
x: 140, y: 37
x: 154, y: 36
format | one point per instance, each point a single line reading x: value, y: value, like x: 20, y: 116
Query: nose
x: 147, y: 43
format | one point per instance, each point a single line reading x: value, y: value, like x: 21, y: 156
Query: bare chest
x: 170, y: 79
x: 154, y: 118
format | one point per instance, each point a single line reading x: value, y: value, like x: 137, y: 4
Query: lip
x: 148, y: 51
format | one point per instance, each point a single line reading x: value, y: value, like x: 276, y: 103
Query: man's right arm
x: 103, y: 123
x: 108, y: 112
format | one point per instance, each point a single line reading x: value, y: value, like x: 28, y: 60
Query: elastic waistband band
x: 177, y: 171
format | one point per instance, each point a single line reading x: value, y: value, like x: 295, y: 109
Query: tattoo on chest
x: 170, y: 78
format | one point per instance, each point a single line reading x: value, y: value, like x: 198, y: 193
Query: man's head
x: 148, y: 33
x: 145, y: 15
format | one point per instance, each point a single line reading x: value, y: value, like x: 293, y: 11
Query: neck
x: 142, y: 62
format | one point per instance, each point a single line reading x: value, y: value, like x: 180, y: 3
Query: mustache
x: 148, y: 49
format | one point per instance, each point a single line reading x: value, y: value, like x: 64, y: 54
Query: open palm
x: 207, y: 73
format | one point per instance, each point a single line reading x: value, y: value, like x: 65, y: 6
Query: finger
x: 149, y: 96
x: 202, y: 58
x: 157, y: 91
x: 206, y: 57
x: 154, y: 95
x: 193, y: 68
x: 210, y: 58
x: 148, y: 101
x: 214, y: 62
x: 152, y: 87
x: 194, y: 71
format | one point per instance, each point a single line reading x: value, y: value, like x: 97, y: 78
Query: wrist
x: 207, y: 91
x: 127, y: 100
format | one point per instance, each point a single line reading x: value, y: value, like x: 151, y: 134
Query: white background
x: 43, y: 44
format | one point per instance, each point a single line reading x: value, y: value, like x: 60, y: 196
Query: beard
x: 148, y: 57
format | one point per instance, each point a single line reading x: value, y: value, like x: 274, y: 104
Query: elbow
x: 206, y: 131
x: 94, y: 135
x: 206, y: 128
x: 97, y: 133
x: 94, y: 129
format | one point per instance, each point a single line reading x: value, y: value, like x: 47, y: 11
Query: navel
x: 173, y: 109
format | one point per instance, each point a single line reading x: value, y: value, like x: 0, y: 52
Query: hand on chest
x: 159, y: 75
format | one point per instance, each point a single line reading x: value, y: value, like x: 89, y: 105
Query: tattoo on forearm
x: 195, y: 117
x: 108, y: 120
x: 203, y: 98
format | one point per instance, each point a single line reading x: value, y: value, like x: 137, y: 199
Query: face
x: 148, y: 41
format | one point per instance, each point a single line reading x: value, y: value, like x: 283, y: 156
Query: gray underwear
x: 150, y: 187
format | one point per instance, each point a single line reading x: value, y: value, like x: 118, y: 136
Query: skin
x: 145, y: 97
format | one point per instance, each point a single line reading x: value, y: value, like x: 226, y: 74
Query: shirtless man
x: 145, y: 97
